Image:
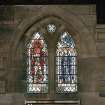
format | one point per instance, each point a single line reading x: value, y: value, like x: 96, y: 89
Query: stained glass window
x: 37, y: 65
x: 51, y: 28
x: 66, y: 78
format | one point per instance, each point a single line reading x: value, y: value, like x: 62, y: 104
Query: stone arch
x: 86, y: 43
x: 78, y: 30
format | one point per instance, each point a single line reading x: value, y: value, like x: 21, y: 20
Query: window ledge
x: 58, y: 102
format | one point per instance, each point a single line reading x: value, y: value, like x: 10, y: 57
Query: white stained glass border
x: 37, y: 88
x: 66, y: 88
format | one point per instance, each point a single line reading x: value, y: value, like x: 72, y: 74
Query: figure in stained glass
x: 66, y: 64
x: 37, y: 66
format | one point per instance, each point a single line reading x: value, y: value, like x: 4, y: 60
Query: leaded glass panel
x: 37, y: 65
x: 66, y: 76
x: 51, y: 28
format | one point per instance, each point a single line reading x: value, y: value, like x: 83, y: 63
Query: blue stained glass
x: 66, y: 64
x: 66, y: 38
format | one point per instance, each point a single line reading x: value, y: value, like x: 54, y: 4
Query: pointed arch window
x: 37, y: 64
x: 66, y: 69
x: 60, y: 76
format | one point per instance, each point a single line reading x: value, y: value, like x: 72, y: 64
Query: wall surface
x: 89, y: 38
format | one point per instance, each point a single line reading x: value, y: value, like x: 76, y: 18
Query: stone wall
x: 89, y: 37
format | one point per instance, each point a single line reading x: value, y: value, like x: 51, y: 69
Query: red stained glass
x: 33, y: 71
x: 33, y: 62
x: 38, y: 67
x: 37, y: 50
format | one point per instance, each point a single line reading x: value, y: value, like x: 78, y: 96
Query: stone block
x: 2, y: 86
x: 100, y: 32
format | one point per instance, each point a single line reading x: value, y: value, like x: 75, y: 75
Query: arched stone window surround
x: 76, y: 27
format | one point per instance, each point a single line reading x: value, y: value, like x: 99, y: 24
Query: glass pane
x: 51, y: 28
x: 66, y: 88
x: 66, y: 77
x: 37, y: 65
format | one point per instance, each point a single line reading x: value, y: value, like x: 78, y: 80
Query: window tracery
x: 37, y: 63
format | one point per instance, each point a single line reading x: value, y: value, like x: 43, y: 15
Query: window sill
x: 56, y: 102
